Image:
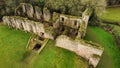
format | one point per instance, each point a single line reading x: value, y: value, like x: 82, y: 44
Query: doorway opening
x: 37, y: 47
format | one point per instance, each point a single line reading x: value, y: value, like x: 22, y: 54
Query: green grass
x: 13, y: 43
x: 111, y: 55
x: 54, y: 57
x: 12, y: 47
x: 115, y: 31
x: 111, y: 15
x: 13, y: 53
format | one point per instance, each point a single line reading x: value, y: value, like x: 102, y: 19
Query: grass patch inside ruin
x: 13, y: 53
x: 111, y: 55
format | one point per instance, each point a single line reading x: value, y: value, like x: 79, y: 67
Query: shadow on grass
x: 28, y: 58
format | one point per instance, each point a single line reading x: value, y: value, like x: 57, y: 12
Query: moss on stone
x: 70, y: 16
x: 90, y: 44
x: 95, y: 56
x: 81, y: 30
x: 55, y: 17
x: 22, y: 18
x: 38, y: 8
x: 88, y: 11
x: 50, y: 30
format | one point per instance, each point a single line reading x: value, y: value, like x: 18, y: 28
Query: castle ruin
x: 66, y: 30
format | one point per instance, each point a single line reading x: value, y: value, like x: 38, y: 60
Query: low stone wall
x: 27, y: 25
x: 91, y: 52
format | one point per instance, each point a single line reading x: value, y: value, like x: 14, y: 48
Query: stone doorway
x: 37, y: 47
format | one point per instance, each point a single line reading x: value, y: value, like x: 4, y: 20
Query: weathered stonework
x: 27, y: 25
x: 53, y: 25
x: 85, y: 17
x: 36, y: 44
x: 91, y: 52
x: 25, y: 9
x: 38, y: 13
x: 46, y: 15
x: 78, y: 23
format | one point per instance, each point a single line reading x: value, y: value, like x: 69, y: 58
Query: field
x: 111, y: 15
x: 13, y: 51
x: 12, y: 47
x: 111, y: 55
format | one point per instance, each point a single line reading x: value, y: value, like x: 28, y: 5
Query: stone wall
x: 90, y: 51
x: 33, y: 12
x: 71, y: 21
x: 27, y: 25
x: 38, y: 13
x: 75, y: 22
x: 85, y: 18
x: 46, y: 15
x: 26, y: 10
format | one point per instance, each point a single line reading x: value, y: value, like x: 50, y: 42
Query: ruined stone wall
x: 56, y: 20
x: 26, y: 25
x: 75, y: 22
x: 91, y: 52
x: 46, y: 15
x: 85, y: 18
x: 33, y: 12
x: 71, y: 21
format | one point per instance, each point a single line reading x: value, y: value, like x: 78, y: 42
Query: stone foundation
x: 90, y: 51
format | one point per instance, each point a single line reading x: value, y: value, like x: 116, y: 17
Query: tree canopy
x: 72, y: 7
x: 75, y: 7
x: 97, y: 6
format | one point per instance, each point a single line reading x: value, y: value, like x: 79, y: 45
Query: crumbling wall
x: 27, y: 25
x: 85, y: 18
x: 25, y: 10
x: 56, y: 19
x: 46, y: 15
x: 75, y: 22
x: 33, y: 12
x: 71, y: 21
x: 90, y: 51
x: 38, y: 13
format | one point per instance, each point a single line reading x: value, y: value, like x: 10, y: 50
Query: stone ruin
x: 88, y: 50
x: 66, y: 30
x: 28, y: 26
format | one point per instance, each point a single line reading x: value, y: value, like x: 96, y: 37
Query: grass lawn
x: 111, y: 55
x: 12, y: 50
x: 111, y: 15
x: 54, y: 57
x: 12, y: 47
x: 115, y: 31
